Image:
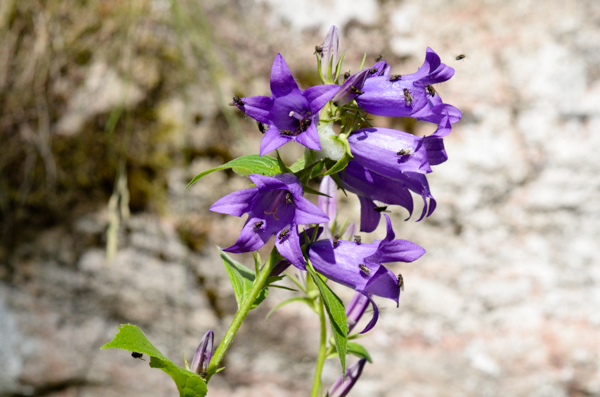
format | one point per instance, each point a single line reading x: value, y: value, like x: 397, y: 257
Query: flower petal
x: 289, y: 247
x: 236, y: 203
x: 307, y: 212
x: 282, y: 81
x: 257, y: 107
x: 383, y: 283
x: 319, y: 95
x: 272, y: 140
x: 310, y: 138
x: 369, y: 218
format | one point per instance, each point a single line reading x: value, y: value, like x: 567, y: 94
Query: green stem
x: 257, y: 287
x: 322, y: 351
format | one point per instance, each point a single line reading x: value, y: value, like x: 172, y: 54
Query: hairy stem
x: 258, y: 286
x: 322, y: 351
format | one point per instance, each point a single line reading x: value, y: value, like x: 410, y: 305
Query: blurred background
x: 109, y: 108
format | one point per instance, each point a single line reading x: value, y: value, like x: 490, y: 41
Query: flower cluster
x: 381, y: 166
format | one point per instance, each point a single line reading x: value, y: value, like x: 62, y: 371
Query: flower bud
x: 330, y: 53
x: 356, y: 309
x: 342, y: 387
x: 351, y: 88
x: 203, y: 355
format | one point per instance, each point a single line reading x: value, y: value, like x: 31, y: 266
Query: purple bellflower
x: 360, y: 265
x: 410, y: 95
x: 328, y: 204
x: 290, y: 113
x: 203, y: 355
x: 356, y: 308
x: 275, y: 207
x: 352, y: 87
x: 342, y: 386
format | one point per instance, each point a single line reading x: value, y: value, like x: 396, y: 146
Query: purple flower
x: 352, y: 87
x: 342, y: 387
x: 410, y: 95
x: 203, y: 355
x: 291, y: 114
x: 275, y: 207
x: 359, y: 265
x: 391, y: 152
x: 328, y: 204
x: 356, y: 308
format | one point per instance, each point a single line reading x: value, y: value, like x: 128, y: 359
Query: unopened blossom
x: 360, y: 265
x: 344, y: 384
x: 203, y: 355
x: 289, y: 113
x: 275, y: 207
x: 328, y: 204
x: 330, y: 51
x: 352, y: 87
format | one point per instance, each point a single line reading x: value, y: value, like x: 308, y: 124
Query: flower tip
x: 203, y: 355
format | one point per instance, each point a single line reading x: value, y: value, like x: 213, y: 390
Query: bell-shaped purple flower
x: 356, y: 308
x: 342, y: 386
x: 391, y: 152
x: 275, y: 207
x: 203, y: 355
x: 410, y: 95
x: 360, y: 265
x: 290, y: 113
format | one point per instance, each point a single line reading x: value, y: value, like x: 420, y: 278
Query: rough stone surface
x: 506, y: 302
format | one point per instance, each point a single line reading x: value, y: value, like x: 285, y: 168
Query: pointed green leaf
x: 241, y: 279
x: 131, y: 338
x: 337, y: 316
x: 310, y: 190
x: 245, y: 165
x: 355, y: 349
x: 340, y: 165
x: 281, y: 164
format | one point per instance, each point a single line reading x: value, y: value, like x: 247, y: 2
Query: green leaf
x: 291, y: 300
x: 355, y: 349
x: 310, y: 190
x: 305, y: 173
x: 245, y: 165
x: 281, y: 164
x: 241, y: 279
x: 337, y: 316
x: 298, y: 165
x: 131, y: 338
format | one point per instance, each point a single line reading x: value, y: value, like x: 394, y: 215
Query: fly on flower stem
x: 237, y: 101
x: 404, y: 152
x: 318, y: 50
x: 400, y: 282
x: 408, y: 98
x: 137, y: 355
x: 364, y: 269
x: 261, y: 127
x: 430, y: 90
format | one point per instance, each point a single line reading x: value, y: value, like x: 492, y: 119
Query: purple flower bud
x: 351, y: 88
x: 330, y: 51
x: 342, y: 387
x: 328, y: 204
x: 203, y: 355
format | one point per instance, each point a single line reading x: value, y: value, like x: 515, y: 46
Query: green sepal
x: 337, y: 316
x: 132, y: 339
x: 284, y: 168
x: 244, y: 166
x: 241, y: 279
x: 308, y: 301
x: 310, y: 190
x: 338, y: 68
x: 362, y: 64
x: 338, y: 182
x: 354, y: 349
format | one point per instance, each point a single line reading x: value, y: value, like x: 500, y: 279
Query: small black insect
x: 289, y: 198
x: 364, y: 269
x: 257, y: 225
x: 304, y: 124
x: 283, y: 233
x: 203, y: 373
x: 395, y: 77
x: 237, y: 101
x: 318, y: 50
x: 380, y: 209
x: 357, y: 239
x: 336, y: 238
x: 261, y: 127
x: 346, y: 75
x: 373, y: 71
x: 404, y: 152
x: 286, y: 132
x: 400, y: 282
x: 378, y: 58
x: 460, y: 57
x: 137, y: 355
x: 408, y: 98
x: 356, y: 90
x: 430, y: 90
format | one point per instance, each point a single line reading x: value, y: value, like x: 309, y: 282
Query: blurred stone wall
x: 95, y: 96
